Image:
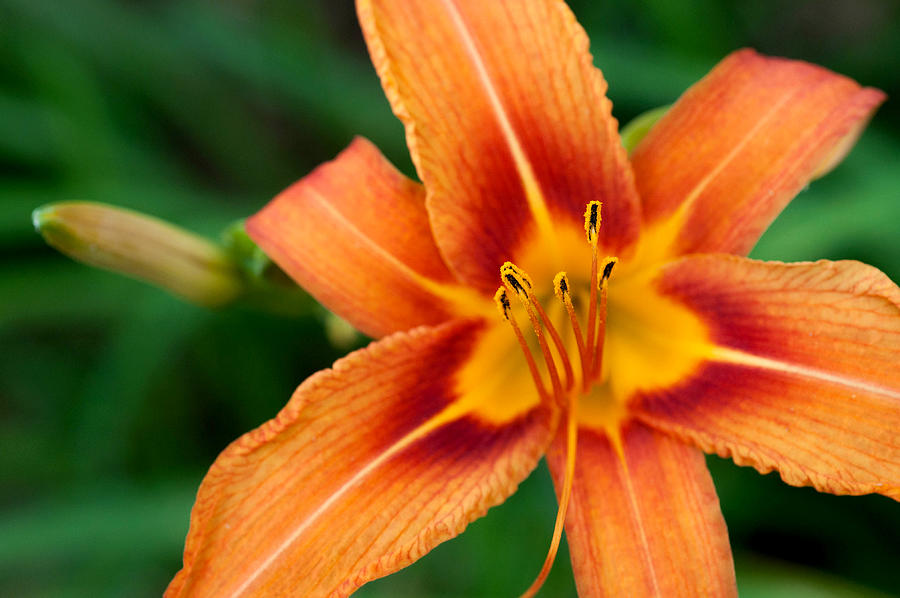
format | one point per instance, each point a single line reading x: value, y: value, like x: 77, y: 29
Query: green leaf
x: 634, y: 131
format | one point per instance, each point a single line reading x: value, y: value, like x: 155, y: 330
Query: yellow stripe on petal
x: 740, y: 144
x: 530, y: 186
x: 507, y: 123
x: 803, y: 377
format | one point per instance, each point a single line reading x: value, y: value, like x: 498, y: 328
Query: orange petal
x: 355, y: 234
x: 804, y: 377
x: 644, y: 518
x: 740, y: 144
x: 366, y: 469
x: 507, y: 121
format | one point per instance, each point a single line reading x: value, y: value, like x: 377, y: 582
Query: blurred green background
x: 115, y: 397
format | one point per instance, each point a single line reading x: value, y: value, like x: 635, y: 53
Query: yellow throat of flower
x: 565, y: 384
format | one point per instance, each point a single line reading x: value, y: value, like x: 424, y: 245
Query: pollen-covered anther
x: 516, y: 279
x: 592, y: 221
x: 502, y: 301
x: 606, y: 269
x: 561, y: 286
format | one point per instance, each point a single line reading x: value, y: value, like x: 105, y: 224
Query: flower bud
x: 143, y: 247
x: 340, y: 333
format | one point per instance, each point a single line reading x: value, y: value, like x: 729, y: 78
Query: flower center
x: 561, y: 385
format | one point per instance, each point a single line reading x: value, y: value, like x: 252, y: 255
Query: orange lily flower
x: 622, y: 376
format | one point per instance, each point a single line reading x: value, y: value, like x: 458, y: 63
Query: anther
x: 607, y: 268
x: 502, y: 301
x: 561, y: 286
x: 516, y: 279
x: 592, y: 221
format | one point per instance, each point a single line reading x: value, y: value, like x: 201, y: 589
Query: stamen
x: 565, y: 494
x: 592, y: 314
x: 561, y: 288
x: 505, y: 307
x: 516, y: 277
x: 603, y: 283
x: 517, y: 282
x: 608, y: 263
x: 503, y: 304
x: 592, y: 221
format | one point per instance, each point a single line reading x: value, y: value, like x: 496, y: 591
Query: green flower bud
x: 142, y: 247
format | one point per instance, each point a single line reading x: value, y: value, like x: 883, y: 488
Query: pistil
x: 590, y: 351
